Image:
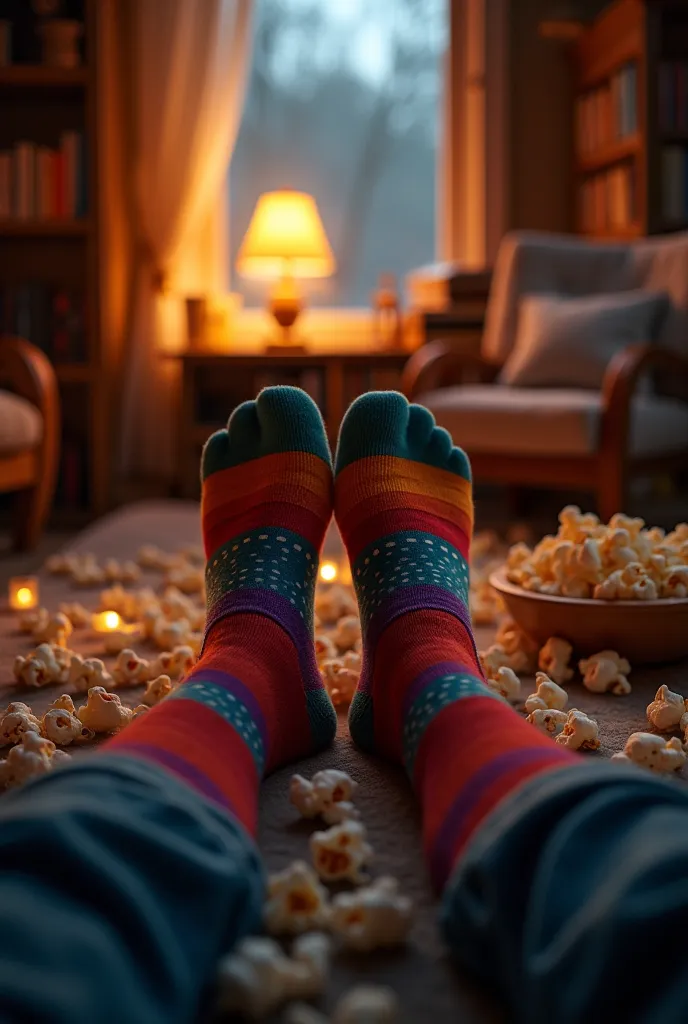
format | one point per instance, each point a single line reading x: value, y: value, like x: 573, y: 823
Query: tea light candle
x: 106, y: 622
x: 23, y: 593
x: 328, y: 572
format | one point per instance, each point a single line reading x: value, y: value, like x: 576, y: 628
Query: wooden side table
x: 213, y: 384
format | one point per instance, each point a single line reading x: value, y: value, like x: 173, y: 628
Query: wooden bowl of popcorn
x: 619, y: 586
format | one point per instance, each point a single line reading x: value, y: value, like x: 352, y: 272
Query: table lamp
x: 284, y: 241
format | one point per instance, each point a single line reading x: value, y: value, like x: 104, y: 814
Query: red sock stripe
x: 264, y: 658
x: 289, y: 517
x: 382, y: 524
x: 411, y: 643
x: 286, y: 493
x: 457, y: 743
x: 199, y: 736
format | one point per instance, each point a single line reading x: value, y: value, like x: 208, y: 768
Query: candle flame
x: 328, y: 572
x: 111, y: 620
x: 24, y: 596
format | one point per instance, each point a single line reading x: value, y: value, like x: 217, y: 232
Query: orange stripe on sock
x: 239, y: 482
x: 284, y: 491
x: 367, y: 477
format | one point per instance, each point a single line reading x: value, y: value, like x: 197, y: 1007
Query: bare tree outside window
x: 343, y: 102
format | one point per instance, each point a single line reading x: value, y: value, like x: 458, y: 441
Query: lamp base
x: 285, y: 305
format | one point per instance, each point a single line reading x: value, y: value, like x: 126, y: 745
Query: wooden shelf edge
x: 614, y: 153
x: 33, y: 228
x: 38, y: 75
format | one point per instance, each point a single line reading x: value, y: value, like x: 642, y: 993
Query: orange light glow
x: 328, y: 572
x: 23, y: 593
x: 285, y: 236
x: 106, y: 622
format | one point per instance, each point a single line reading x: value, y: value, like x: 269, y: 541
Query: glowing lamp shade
x: 23, y: 593
x: 285, y: 236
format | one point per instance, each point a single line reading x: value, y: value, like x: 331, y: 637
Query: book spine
x: 68, y: 150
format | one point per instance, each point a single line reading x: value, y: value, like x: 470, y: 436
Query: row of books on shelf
x: 609, y: 113
x: 39, y: 182
x: 672, y: 96
x: 607, y: 200
x: 675, y: 185
x: 72, y: 487
x: 51, y: 317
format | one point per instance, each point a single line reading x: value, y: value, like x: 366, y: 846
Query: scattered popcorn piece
x: 332, y: 603
x: 87, y: 574
x: 190, y: 579
x: 139, y: 710
x: 653, y: 752
x: 666, y: 711
x: 348, y: 631
x: 62, y: 727
x: 484, y: 604
x: 63, y: 703
x: 53, y: 630
x: 182, y: 661
x: 168, y: 634
x: 549, y: 695
x: 494, y: 658
x: 548, y: 720
x: 195, y: 642
x: 46, y: 664
x: 325, y: 790
x: 117, y: 640
x: 87, y: 672
x: 35, y: 618
x: 522, y: 651
x: 79, y: 616
x: 156, y: 690
x: 103, y: 711
x: 580, y: 732
x: 151, y: 557
x: 325, y: 648
x: 15, y: 723
x: 606, y: 672
x: 554, y: 659
x: 296, y: 901
x: 34, y: 755
x: 367, y: 1004
x: 340, y: 853
x: 130, y: 670
x: 59, y: 565
x: 371, y: 918
x: 257, y: 977
x: 506, y: 683
x: 340, y: 681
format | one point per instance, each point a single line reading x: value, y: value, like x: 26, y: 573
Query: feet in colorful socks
x: 255, y: 699
x: 403, y: 503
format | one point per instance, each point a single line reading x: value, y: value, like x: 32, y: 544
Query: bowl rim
x: 501, y: 584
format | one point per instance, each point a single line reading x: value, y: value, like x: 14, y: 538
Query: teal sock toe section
x: 362, y: 722
x: 383, y: 423
x: 323, y: 718
x: 282, y: 419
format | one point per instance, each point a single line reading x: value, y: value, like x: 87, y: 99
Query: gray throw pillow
x: 563, y: 342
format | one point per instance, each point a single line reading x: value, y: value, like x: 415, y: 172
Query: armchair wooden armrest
x: 27, y: 372
x: 618, y: 388
x: 438, y: 365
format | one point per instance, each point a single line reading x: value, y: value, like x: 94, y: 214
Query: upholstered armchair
x: 29, y: 435
x: 632, y: 421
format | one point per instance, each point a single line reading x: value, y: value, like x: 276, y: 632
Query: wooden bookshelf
x: 61, y: 254
x: 631, y: 121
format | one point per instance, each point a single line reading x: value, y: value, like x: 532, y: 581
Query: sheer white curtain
x: 188, y: 64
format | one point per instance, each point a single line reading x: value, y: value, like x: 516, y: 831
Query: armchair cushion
x: 568, y: 342
x: 21, y: 424
x: 493, y: 418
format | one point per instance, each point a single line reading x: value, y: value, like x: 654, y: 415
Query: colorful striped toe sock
x: 403, y: 503
x: 255, y: 699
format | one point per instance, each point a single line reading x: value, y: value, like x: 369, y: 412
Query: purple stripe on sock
x: 272, y: 606
x: 401, y: 602
x: 443, y: 848
x: 442, y: 668
x: 235, y: 686
x: 191, y: 775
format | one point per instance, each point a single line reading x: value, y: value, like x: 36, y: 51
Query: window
x: 343, y: 101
